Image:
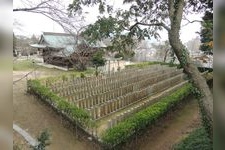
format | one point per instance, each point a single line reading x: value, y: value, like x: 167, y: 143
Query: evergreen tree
x: 98, y: 61
x: 206, y: 33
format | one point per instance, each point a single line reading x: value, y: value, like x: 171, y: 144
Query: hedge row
x: 146, y: 64
x: 121, y: 132
x: 72, y: 111
x: 198, y: 139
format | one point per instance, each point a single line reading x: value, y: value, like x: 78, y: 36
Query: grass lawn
x: 28, y: 65
x: 146, y: 64
x: 24, y: 65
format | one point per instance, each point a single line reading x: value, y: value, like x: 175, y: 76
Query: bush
x: 146, y: 64
x: 82, y: 75
x: 197, y: 140
x: 140, y: 120
x: 72, y: 111
x: 43, y: 140
x: 119, y: 55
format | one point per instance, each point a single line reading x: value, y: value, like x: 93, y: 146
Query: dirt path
x: 33, y: 116
x: 169, y: 131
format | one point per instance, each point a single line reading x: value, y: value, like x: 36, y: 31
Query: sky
x: 31, y: 23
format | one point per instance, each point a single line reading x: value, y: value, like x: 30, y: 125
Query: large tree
x: 54, y: 10
x: 145, y: 18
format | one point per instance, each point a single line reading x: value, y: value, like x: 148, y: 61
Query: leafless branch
x: 188, y: 21
x: 151, y: 24
x: 26, y: 75
x: 56, y: 11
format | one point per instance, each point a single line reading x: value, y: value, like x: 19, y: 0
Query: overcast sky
x: 36, y: 24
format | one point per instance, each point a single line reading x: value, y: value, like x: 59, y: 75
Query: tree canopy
x: 97, y: 59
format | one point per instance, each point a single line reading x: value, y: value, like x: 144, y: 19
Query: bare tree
x: 71, y: 23
x: 163, y: 50
x: 54, y: 10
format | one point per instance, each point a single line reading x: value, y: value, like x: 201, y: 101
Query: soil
x: 18, y: 141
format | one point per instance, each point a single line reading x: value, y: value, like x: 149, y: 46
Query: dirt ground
x: 18, y: 141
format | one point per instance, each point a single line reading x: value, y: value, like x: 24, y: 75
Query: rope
x: 25, y: 75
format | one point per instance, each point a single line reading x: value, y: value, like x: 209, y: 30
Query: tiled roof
x: 62, y: 40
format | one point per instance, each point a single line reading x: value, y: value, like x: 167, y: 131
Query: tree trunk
x: 165, y: 56
x: 192, y: 71
x: 206, y: 100
x: 96, y: 70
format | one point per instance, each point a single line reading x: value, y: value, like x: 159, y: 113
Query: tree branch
x: 41, y: 5
x: 152, y: 24
x: 179, y: 12
x: 193, y: 21
x: 171, y: 9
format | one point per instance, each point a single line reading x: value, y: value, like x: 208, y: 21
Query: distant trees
x: 163, y: 50
x: 22, y: 44
x: 193, y: 45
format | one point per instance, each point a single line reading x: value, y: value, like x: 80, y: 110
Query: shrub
x: 64, y: 78
x: 119, y: 55
x: 146, y: 64
x: 43, y: 140
x: 140, y: 120
x: 198, y: 140
x: 82, y: 75
x: 72, y: 111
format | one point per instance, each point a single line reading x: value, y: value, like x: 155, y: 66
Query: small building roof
x: 38, y: 45
x: 62, y: 41
x: 57, y: 39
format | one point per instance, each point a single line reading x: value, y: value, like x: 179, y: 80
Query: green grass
x: 146, y: 64
x: 28, y: 65
x: 24, y: 65
x: 197, y: 140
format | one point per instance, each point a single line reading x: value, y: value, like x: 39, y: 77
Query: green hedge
x: 198, y: 140
x: 72, y: 111
x: 140, y: 120
x: 146, y: 64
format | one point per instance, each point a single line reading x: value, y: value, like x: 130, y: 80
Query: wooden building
x: 62, y: 49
